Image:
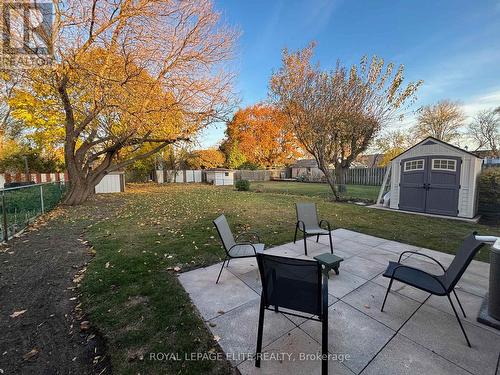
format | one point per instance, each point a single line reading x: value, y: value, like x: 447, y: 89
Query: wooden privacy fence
x: 365, y: 176
x: 260, y: 175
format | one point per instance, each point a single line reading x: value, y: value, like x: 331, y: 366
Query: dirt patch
x: 136, y: 300
x: 39, y: 273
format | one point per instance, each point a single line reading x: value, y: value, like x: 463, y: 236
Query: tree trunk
x: 330, y: 180
x: 81, y: 188
x: 339, y: 176
x: 79, y: 191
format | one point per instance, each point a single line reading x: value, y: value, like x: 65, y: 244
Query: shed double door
x: 430, y: 184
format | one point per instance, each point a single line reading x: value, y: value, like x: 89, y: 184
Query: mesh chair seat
x: 246, y: 250
x: 317, y: 230
x: 416, y: 278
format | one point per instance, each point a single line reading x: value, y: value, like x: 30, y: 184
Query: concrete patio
x: 404, y: 339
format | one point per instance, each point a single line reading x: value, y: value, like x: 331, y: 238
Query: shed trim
x: 422, y: 142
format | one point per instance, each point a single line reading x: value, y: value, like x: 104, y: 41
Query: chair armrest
x: 255, y: 234
x: 303, y: 229
x: 327, y: 223
x: 243, y: 244
x: 423, y: 255
x: 419, y: 270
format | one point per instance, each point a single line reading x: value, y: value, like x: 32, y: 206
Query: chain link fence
x: 23, y: 204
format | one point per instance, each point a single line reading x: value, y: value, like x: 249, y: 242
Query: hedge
x: 489, y: 191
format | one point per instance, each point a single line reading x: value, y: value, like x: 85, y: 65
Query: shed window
x: 414, y: 165
x: 444, y: 164
x: 226, y: 174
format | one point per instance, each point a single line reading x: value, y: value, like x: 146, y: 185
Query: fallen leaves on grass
x: 33, y: 352
x: 15, y: 314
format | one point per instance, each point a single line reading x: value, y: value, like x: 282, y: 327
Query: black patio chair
x: 440, y: 285
x: 235, y: 248
x: 308, y: 223
x: 296, y: 285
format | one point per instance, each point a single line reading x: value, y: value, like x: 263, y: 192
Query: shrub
x: 489, y: 190
x: 242, y: 185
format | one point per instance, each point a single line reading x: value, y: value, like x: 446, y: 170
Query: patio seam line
x: 463, y: 321
x: 394, y: 335
x: 306, y: 333
x: 437, y: 354
x: 232, y: 309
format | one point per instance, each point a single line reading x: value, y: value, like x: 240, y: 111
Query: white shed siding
x: 220, y: 178
x: 179, y: 176
x: 193, y: 176
x: 109, y: 184
x: 197, y: 176
x: 470, y: 170
x: 160, y: 176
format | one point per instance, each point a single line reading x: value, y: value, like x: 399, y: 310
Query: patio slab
x: 343, y: 283
x: 293, y: 344
x: 369, y: 297
x: 211, y: 299
x: 403, y: 356
x: 362, y: 267
x: 441, y: 333
x: 404, y: 339
x: 238, y: 329
x: 370, y: 335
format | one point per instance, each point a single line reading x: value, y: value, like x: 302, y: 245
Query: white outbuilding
x: 435, y: 177
x: 113, y: 182
x: 219, y: 176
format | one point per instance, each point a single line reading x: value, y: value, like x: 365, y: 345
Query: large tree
x: 485, y: 130
x: 129, y: 78
x: 261, y: 135
x: 336, y: 114
x: 442, y: 121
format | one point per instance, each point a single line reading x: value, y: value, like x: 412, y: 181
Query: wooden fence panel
x: 365, y: 176
x: 259, y: 175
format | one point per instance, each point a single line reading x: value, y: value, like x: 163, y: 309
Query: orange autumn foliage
x: 208, y: 158
x: 260, y: 134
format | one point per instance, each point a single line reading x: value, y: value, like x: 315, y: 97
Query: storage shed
x: 219, y: 176
x: 435, y: 177
x: 113, y: 182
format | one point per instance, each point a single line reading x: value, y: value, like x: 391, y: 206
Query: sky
x: 453, y: 46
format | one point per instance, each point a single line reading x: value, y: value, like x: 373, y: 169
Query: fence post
x: 41, y: 198
x: 4, y: 219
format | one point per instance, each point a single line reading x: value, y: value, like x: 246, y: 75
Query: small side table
x: 330, y: 261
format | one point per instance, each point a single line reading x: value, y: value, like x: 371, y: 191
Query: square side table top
x: 328, y: 259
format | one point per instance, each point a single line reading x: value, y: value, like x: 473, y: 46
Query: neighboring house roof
x: 435, y: 140
x: 305, y: 163
x: 369, y: 161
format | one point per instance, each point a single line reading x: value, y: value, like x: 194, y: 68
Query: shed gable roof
x: 432, y: 140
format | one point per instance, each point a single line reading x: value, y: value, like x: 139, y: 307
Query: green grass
x: 354, y: 192
x: 132, y: 294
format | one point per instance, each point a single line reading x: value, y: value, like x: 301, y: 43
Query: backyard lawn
x: 354, y: 192
x: 152, y: 232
